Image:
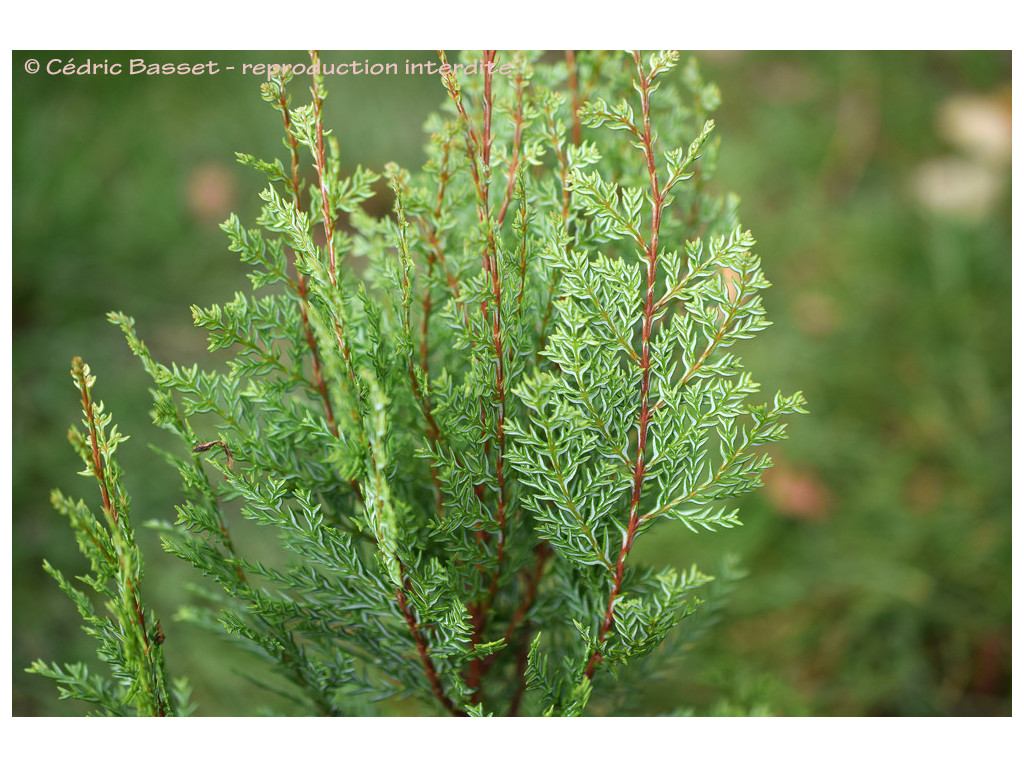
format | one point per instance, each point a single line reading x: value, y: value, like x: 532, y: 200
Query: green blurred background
x: 878, y: 186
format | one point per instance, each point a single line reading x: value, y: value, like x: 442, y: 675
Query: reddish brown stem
x: 332, y: 260
x: 434, y: 257
x: 541, y: 552
x: 643, y: 423
x: 300, y: 287
x: 479, y: 150
x: 421, y: 649
x: 479, y: 667
x: 321, y: 169
x: 522, y: 659
x: 110, y: 509
x: 516, y: 142
x: 577, y: 129
x: 491, y: 266
x: 437, y: 255
x: 97, y: 464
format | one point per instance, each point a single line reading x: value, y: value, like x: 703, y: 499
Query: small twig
x: 81, y: 376
x: 203, y: 447
x: 517, y: 140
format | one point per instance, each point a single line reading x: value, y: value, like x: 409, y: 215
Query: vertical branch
x: 541, y: 552
x: 150, y: 675
x: 321, y: 169
x: 644, y: 416
x: 422, y: 398
x: 384, y: 522
x: 491, y: 265
x: 84, y: 381
x: 517, y: 139
x: 295, y: 185
x: 490, y: 259
x: 523, y: 236
x: 320, y: 159
x: 436, y: 255
x: 479, y: 149
x: 328, y: 214
x: 574, y: 89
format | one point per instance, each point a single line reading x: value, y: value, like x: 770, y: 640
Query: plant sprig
x: 459, y: 443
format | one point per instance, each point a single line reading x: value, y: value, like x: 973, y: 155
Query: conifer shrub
x: 455, y: 420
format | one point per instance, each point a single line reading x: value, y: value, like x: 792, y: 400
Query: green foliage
x: 128, y: 635
x: 458, y: 419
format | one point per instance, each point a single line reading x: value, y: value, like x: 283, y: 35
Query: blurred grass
x: 879, y: 552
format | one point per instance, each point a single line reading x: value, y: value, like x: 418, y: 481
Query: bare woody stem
x: 643, y: 422
x: 541, y: 554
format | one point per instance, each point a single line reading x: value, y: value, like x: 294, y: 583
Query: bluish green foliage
x: 459, y: 418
